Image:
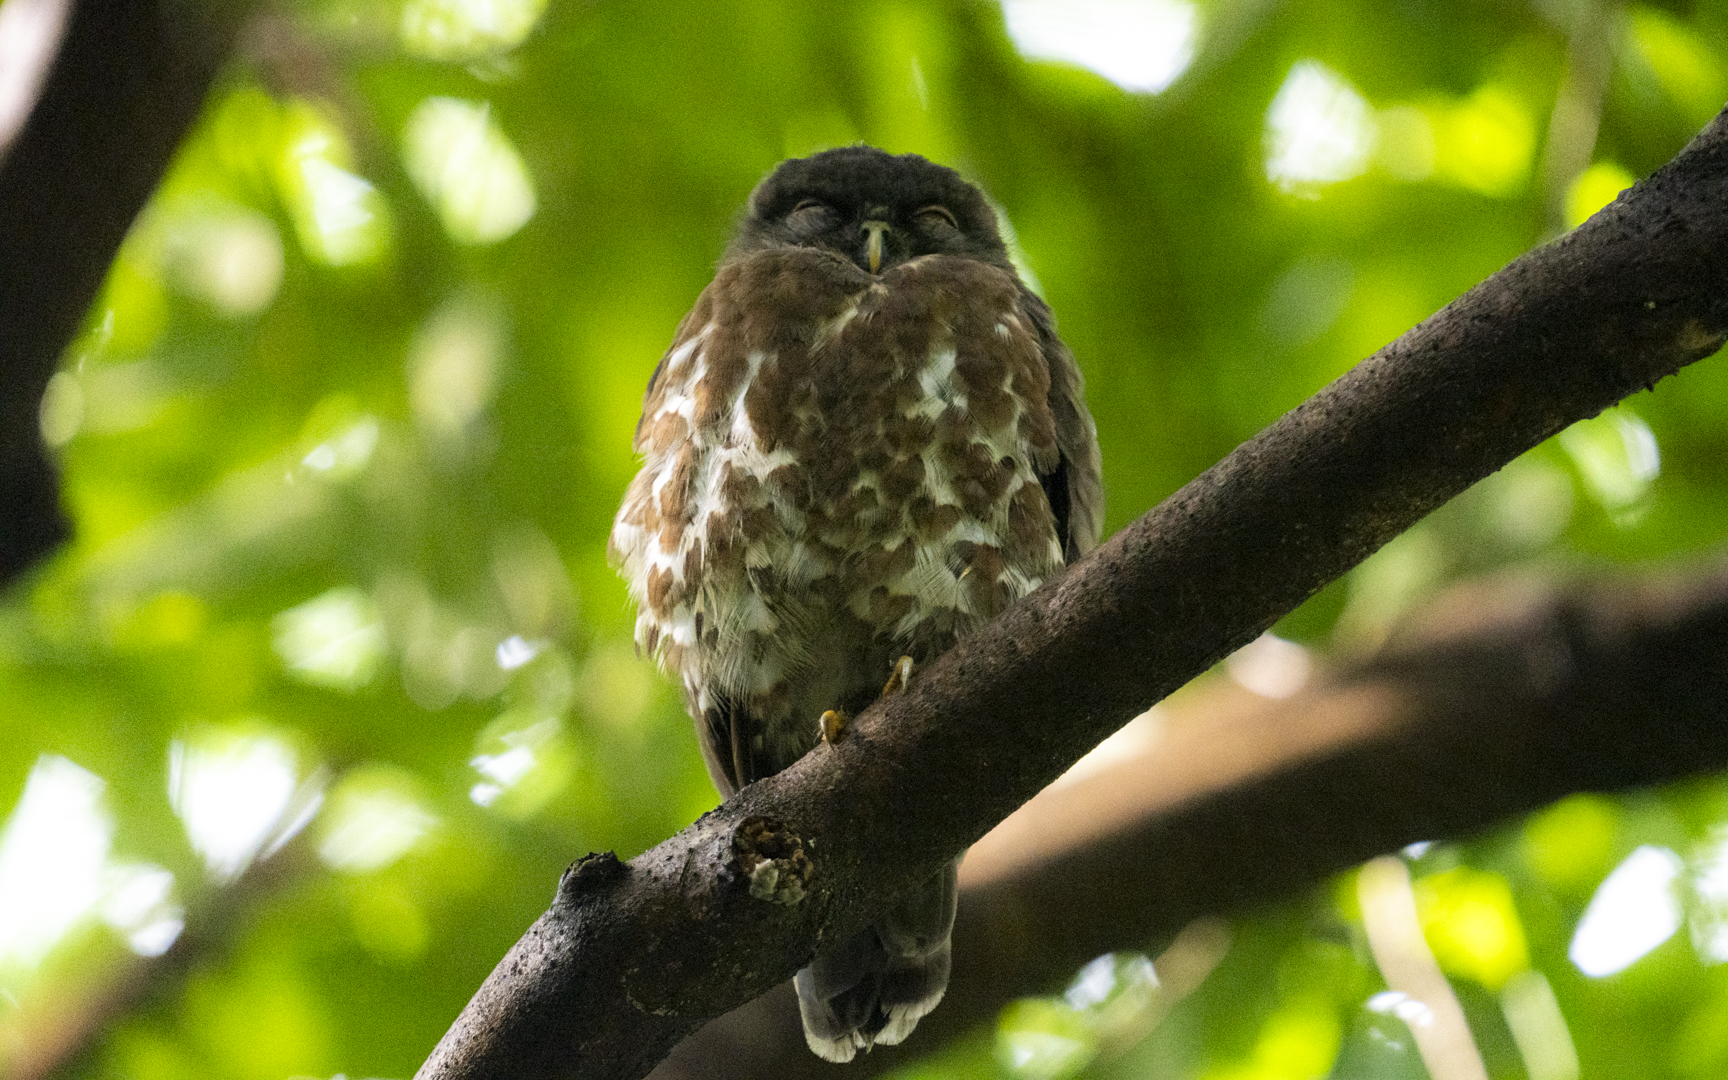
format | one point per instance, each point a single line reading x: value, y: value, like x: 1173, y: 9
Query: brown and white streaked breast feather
x: 838, y: 469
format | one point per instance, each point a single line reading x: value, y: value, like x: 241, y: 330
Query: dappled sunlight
x: 1634, y: 910
x: 521, y: 767
x: 345, y: 453
x: 1301, y: 1039
x: 140, y: 903
x: 1319, y: 130
x: 334, y: 640
x: 1617, y: 457
x: 1485, y: 142
x: 1270, y: 666
x: 1691, y: 69
x: 1141, y: 45
x: 52, y: 855
x: 343, y: 433
x: 239, y: 796
x: 231, y: 257
x: 453, y: 369
x: 466, y: 29
x: 373, y: 817
x: 447, y: 653
x: 1707, y: 878
x: 1594, y: 188
x: 56, y: 871
x: 338, y: 215
x: 468, y: 170
x: 1469, y: 922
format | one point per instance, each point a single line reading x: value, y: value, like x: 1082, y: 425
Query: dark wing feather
x: 1075, y: 486
x: 726, y: 734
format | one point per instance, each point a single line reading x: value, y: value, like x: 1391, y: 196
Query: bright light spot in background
x: 1485, y: 142
x: 1616, y: 454
x: 234, y: 794
x: 1593, y: 189
x: 514, y: 651
x: 347, y: 453
x: 1571, y: 844
x: 528, y: 763
x: 1103, y: 977
x: 338, y: 216
x: 453, y: 369
x: 140, y: 904
x: 468, y: 170
x: 230, y: 257
x: 335, y: 640
x: 1270, y: 666
x: 62, y: 411
x: 464, y: 29
x: 1539, y: 1028
x: 1140, y: 45
x: 1709, y: 880
x: 1413, y: 1013
x: 1404, y: 143
x: 340, y: 213
x: 1633, y: 911
x: 374, y: 817
x: 1319, y: 130
x: 1689, y: 70
x: 1528, y: 503
x: 30, y: 32
x: 1470, y: 923
x: 51, y: 859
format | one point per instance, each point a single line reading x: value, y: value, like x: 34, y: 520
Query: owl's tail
x: 875, y: 986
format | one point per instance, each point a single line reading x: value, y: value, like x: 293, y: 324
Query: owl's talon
x: 832, y: 726
x: 902, y: 675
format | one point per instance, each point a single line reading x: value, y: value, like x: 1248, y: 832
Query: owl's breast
x: 835, y: 461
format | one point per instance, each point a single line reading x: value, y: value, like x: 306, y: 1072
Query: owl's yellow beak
x: 873, y: 246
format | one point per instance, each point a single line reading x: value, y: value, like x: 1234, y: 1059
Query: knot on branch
x: 591, y: 873
x: 772, y: 859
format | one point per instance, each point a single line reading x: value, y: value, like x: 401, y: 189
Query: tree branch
x: 1508, y: 695
x: 632, y: 957
x: 126, y: 84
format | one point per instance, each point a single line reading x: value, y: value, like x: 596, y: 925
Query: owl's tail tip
x: 901, y: 1019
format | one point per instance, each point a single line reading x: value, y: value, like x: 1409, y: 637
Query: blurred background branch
x: 118, y: 84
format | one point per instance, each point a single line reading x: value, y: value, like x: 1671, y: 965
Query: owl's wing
x: 1075, y: 486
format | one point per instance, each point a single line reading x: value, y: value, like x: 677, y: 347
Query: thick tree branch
x: 128, y: 80
x: 632, y: 957
x: 1509, y: 694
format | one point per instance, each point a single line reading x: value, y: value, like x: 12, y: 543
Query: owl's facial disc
x: 873, y: 245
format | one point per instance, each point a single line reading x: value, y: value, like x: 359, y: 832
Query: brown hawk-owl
x: 865, y: 441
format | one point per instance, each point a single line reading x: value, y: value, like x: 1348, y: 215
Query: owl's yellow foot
x: 832, y: 726
x: 901, y: 676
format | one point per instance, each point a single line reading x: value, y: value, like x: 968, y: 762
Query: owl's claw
x: 832, y: 726
x: 900, y: 678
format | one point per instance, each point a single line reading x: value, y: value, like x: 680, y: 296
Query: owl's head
x: 875, y: 208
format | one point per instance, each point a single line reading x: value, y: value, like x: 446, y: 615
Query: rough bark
x: 1508, y: 694
x: 632, y: 957
x: 126, y: 84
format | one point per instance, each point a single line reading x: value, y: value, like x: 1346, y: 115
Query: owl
x: 865, y: 441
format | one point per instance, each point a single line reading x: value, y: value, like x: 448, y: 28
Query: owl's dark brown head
x: 875, y: 208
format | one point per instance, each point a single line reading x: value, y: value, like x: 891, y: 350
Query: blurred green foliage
x: 345, y: 432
